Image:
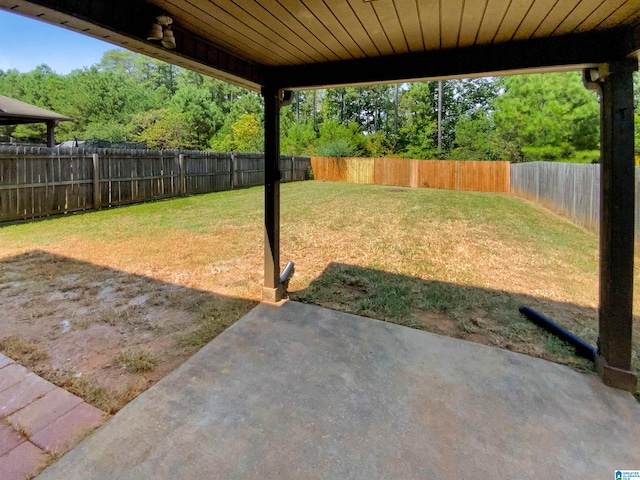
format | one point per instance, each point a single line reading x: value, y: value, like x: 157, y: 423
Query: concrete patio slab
x: 294, y: 391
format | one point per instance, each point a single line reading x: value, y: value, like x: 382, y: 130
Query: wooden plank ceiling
x: 290, y: 42
x: 295, y: 32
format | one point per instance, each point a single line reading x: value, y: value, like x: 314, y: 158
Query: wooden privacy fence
x: 478, y: 176
x: 569, y: 189
x: 37, y: 181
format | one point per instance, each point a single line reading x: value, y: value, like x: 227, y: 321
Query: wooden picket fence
x: 38, y: 181
x: 477, y: 176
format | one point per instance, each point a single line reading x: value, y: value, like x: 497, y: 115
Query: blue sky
x: 26, y: 43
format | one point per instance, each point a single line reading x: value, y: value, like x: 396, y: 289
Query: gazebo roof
x: 14, y: 112
x: 312, y: 43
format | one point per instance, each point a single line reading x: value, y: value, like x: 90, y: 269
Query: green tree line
x: 130, y: 97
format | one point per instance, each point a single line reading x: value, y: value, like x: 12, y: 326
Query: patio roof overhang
x: 274, y: 45
x: 312, y: 43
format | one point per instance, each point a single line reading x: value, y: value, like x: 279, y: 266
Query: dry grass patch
x: 46, y: 460
x: 82, y: 326
x: 26, y: 352
x: 90, y: 389
x: 127, y: 316
x: 212, y: 319
x: 135, y: 360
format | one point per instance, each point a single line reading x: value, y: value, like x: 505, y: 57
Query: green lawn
x: 455, y: 263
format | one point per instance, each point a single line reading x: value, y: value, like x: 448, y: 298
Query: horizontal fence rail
x: 478, y: 176
x: 37, y: 181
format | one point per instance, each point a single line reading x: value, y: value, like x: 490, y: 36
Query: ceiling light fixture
x: 156, y: 32
x: 161, y: 30
x: 168, y: 40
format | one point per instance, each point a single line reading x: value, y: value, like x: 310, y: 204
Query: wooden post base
x: 616, y: 377
x: 272, y: 295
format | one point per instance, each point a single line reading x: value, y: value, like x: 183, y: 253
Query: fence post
x: 537, y: 171
x: 232, y: 171
x: 182, y: 180
x: 97, y: 197
x: 293, y: 164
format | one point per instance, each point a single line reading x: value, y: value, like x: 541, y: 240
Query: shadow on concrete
x: 481, y: 315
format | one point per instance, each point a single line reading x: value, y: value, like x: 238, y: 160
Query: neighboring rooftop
x: 14, y: 112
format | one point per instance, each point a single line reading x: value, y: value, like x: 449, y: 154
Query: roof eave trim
x: 562, y: 52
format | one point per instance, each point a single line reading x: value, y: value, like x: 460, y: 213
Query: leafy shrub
x: 341, y: 140
x: 338, y: 147
x: 548, y: 153
x: 585, y: 156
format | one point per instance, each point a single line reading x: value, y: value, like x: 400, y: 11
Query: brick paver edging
x: 38, y: 421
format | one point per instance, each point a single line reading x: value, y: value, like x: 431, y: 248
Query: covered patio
x: 276, y: 46
x: 296, y: 391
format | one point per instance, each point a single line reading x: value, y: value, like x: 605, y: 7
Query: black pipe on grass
x: 583, y: 349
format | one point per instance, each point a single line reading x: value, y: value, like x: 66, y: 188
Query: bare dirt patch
x: 79, y: 324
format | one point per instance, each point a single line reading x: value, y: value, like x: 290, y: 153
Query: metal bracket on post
x: 287, y: 96
x: 273, y: 295
x: 615, y: 377
x: 591, y: 80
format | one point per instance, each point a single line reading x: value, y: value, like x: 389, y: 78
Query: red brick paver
x: 10, y: 375
x: 38, y: 418
x: 23, y: 393
x: 37, y: 415
x: 9, y: 439
x: 4, y: 361
x: 21, y: 462
x: 69, y: 429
